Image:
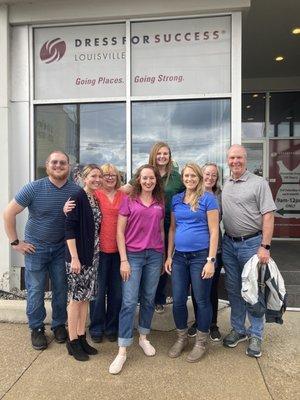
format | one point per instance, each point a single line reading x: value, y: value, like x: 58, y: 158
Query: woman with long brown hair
x: 140, y: 238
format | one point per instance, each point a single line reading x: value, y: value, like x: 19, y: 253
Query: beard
x: 58, y: 175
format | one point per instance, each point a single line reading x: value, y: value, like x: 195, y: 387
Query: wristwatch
x: 265, y: 246
x: 211, y: 259
x: 15, y: 242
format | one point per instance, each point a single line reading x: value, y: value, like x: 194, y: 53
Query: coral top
x: 110, y: 211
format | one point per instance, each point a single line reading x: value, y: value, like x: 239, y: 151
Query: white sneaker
x: 117, y: 365
x: 149, y: 350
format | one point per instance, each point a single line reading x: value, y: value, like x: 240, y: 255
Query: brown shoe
x: 180, y: 344
x: 199, y: 348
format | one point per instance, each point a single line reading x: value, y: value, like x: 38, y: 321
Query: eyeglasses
x: 60, y: 162
x: 109, y: 176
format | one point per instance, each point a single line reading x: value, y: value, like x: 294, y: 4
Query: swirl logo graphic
x: 53, y: 50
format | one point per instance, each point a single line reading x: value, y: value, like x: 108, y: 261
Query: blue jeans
x: 47, y: 259
x: 104, y: 310
x: 186, y: 270
x: 145, y: 272
x: 235, y: 255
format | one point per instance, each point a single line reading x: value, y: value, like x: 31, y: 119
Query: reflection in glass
x: 253, y: 115
x: 255, y: 153
x: 56, y: 128
x: 196, y: 130
x: 285, y: 114
x: 102, y: 134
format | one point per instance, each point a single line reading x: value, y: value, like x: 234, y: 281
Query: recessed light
x: 255, y: 95
x: 296, y: 31
x: 248, y: 106
x: 250, y: 119
x: 289, y: 117
x: 279, y: 58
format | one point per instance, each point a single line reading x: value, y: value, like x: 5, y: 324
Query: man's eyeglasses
x: 109, y: 176
x: 60, y: 162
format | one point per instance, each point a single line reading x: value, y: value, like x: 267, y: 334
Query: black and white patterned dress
x: 83, y: 286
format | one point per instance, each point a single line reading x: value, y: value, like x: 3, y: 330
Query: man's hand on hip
x: 24, y: 248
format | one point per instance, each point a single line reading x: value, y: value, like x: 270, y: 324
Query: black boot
x: 74, y: 349
x: 85, y: 346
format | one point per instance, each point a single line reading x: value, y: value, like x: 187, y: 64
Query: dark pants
x: 104, y: 311
x: 214, y: 298
x: 164, y: 283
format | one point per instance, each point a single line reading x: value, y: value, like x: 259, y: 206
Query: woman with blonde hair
x: 104, y: 310
x: 82, y: 259
x: 193, y: 238
x: 211, y: 184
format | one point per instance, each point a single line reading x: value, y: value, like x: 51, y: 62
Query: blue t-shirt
x: 45, y: 202
x: 192, y: 233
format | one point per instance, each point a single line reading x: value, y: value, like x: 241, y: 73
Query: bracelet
x: 124, y: 260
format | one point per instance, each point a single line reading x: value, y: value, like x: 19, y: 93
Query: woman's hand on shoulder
x: 69, y: 205
x: 125, y: 270
x: 168, y: 265
x: 208, y: 270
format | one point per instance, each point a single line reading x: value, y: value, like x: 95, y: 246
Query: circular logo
x: 53, y: 50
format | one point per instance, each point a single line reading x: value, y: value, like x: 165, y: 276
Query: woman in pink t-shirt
x: 104, y: 310
x: 140, y: 238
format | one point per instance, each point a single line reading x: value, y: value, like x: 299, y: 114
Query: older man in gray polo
x: 248, y: 220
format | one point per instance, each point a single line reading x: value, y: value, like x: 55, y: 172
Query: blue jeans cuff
x: 143, y: 331
x: 125, y: 342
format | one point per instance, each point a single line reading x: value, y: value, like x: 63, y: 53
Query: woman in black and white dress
x: 82, y: 260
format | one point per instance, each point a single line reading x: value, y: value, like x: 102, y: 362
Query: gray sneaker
x: 254, y: 348
x: 233, y: 338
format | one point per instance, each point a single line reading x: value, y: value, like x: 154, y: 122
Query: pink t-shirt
x: 143, y: 225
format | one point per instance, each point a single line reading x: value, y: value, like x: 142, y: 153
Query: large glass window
x: 56, y: 127
x: 89, y: 133
x: 253, y: 115
x: 285, y: 114
x: 196, y: 130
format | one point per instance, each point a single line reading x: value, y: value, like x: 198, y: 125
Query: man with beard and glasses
x: 44, y: 245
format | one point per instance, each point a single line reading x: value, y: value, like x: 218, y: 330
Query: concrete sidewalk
x: 222, y: 374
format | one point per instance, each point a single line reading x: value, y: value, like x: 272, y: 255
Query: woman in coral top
x: 104, y: 315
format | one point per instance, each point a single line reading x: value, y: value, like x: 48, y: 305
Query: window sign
x: 284, y: 175
x: 80, y: 61
x: 184, y: 56
x: 176, y: 57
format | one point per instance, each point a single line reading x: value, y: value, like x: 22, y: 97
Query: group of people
x: 112, y: 247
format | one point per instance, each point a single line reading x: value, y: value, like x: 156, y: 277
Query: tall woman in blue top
x: 193, y: 238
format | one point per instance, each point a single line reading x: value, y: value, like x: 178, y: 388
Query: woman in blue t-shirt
x: 193, y: 234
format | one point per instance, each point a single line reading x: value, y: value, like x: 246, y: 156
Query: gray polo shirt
x: 244, y: 201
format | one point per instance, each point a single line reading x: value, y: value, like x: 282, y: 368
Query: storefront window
x: 255, y: 157
x: 253, y: 115
x: 196, y: 130
x: 56, y: 127
x: 285, y: 114
x: 89, y: 133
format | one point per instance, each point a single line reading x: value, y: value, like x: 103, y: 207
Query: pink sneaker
x: 117, y: 365
x: 149, y: 350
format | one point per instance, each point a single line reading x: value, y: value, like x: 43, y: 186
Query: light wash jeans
x: 141, y: 286
x: 235, y: 255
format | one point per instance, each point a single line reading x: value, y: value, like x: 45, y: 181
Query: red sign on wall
x: 284, y: 179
